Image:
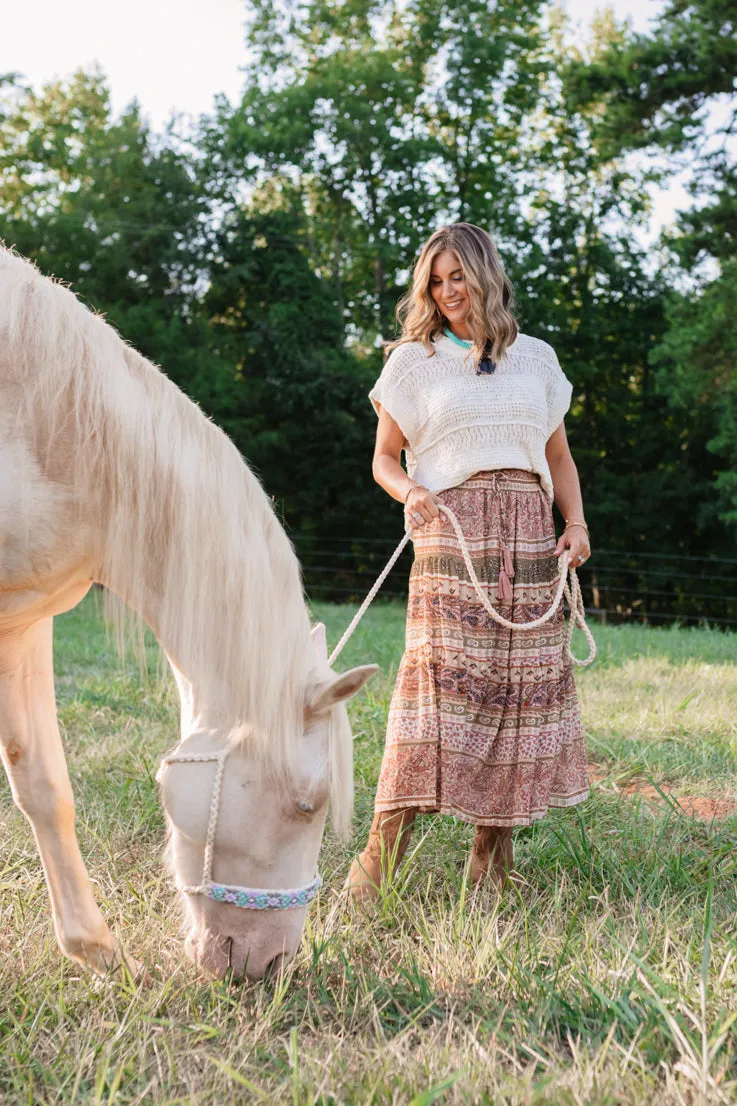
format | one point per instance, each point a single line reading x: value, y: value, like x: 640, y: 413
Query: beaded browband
x: 251, y: 898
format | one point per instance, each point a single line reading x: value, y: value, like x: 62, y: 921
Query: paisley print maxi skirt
x: 484, y: 722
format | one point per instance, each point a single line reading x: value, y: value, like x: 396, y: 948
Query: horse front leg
x: 33, y: 758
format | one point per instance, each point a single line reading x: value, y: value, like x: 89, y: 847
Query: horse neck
x: 152, y: 500
x: 191, y: 543
x: 197, y: 714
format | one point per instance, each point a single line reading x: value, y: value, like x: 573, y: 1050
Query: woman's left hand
x: 574, y: 541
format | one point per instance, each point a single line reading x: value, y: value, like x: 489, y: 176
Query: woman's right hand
x: 420, y: 507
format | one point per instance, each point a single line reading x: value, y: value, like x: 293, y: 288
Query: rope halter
x: 250, y: 898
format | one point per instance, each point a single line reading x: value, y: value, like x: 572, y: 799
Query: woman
x: 484, y: 722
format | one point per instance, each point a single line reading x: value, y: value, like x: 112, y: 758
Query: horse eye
x: 304, y: 807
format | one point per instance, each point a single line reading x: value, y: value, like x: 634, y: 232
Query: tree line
x: 257, y: 254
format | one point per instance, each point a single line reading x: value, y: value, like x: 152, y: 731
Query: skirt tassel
x: 506, y: 574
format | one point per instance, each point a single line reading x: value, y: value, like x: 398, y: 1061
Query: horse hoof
x: 110, y: 964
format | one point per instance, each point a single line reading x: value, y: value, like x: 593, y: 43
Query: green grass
x: 609, y: 979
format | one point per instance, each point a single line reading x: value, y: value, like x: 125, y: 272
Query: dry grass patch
x: 608, y: 979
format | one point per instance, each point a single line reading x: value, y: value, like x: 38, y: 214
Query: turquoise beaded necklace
x: 465, y: 342
x: 486, y: 365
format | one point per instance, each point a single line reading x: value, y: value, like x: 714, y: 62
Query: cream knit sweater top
x: 457, y: 422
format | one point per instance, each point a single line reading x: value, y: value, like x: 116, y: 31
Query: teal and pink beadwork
x: 257, y: 899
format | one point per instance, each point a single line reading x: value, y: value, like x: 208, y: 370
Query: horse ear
x: 320, y: 641
x: 342, y: 687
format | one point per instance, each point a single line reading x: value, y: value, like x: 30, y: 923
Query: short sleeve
x: 559, y: 393
x: 394, y: 391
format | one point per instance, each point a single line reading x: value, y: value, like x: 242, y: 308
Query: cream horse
x: 109, y: 473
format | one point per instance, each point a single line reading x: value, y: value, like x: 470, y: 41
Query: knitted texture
x: 457, y: 422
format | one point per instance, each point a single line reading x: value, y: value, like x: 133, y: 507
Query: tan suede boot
x: 492, y: 856
x: 387, y: 843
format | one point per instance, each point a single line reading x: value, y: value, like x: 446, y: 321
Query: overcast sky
x: 170, y: 54
x: 176, y: 55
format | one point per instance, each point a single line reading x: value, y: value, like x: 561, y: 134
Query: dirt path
x: 703, y: 807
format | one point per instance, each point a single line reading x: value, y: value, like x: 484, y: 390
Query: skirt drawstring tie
x: 506, y: 575
x: 506, y: 567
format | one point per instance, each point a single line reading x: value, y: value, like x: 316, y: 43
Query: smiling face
x: 448, y: 289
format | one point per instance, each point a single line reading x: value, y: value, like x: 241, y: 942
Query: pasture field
x: 611, y: 978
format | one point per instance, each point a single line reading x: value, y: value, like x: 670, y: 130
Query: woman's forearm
x: 566, y: 485
x: 389, y: 475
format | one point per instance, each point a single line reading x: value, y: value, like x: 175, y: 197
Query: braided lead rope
x: 572, y: 594
x: 577, y: 617
x: 369, y: 598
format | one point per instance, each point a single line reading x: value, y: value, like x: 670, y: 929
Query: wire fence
x: 618, y: 585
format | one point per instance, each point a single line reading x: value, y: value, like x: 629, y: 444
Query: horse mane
x: 181, y: 529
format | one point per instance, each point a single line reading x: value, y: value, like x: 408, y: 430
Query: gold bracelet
x: 576, y: 522
x: 414, y: 486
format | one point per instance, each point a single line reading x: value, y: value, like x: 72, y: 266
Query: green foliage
x: 653, y: 87
x: 290, y: 395
x: 698, y: 373
x: 407, y: 149
x: 106, y: 205
x: 653, y: 92
x: 259, y: 257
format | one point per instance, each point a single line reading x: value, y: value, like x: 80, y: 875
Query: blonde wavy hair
x: 490, y: 318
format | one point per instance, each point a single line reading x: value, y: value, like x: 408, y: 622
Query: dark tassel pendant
x: 486, y: 365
